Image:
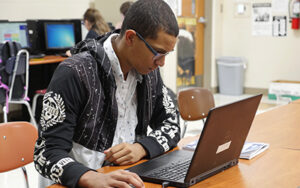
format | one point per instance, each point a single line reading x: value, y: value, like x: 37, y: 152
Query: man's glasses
x: 157, y: 55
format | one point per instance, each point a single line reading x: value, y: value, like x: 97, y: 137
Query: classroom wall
x: 268, y: 58
x: 109, y: 10
x: 18, y: 10
x: 217, y: 30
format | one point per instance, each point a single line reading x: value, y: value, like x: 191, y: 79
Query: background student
x: 94, y: 23
x: 123, y: 10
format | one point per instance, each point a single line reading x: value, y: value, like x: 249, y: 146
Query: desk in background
x: 46, y: 60
x: 278, y: 166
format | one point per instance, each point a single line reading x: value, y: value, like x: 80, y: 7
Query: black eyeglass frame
x: 157, y: 55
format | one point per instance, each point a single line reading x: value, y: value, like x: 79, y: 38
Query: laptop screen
x: 218, y: 148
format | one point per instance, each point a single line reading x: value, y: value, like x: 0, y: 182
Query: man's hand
x: 118, y: 178
x: 124, y: 153
x: 68, y: 53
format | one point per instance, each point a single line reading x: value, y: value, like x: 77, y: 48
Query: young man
x: 101, y: 101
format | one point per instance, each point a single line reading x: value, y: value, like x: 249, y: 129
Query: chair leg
x: 34, y: 101
x: 31, y: 114
x: 184, y: 129
x: 4, y: 114
x: 26, y: 176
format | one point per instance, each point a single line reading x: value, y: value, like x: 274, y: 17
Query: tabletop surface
x: 278, y: 166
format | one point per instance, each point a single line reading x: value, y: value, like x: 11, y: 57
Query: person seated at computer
x: 94, y: 23
x: 123, y: 10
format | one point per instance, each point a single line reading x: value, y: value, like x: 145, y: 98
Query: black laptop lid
x: 223, y: 136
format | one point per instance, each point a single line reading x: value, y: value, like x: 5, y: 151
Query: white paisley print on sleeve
x: 167, y: 128
x: 39, y: 156
x: 162, y: 140
x: 53, y: 110
x: 58, y: 169
x: 171, y: 130
x: 167, y: 102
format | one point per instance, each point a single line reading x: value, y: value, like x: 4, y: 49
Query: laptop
x: 219, y: 147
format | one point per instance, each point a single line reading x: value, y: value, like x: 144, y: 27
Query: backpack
x: 8, y: 56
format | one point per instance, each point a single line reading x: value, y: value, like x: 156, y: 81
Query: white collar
x: 115, y: 63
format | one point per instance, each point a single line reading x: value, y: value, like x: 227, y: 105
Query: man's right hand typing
x: 118, y: 178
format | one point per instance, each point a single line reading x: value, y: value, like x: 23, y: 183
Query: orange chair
x: 17, y: 140
x: 194, y: 104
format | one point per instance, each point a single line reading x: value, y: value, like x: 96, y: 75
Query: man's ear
x: 130, y: 37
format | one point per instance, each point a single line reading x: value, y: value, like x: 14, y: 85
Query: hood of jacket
x: 95, y: 48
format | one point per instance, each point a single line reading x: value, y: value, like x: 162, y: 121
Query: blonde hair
x: 94, y: 17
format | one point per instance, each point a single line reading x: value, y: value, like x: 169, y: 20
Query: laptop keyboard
x: 175, y: 171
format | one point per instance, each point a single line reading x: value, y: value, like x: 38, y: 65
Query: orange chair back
x: 195, y: 103
x: 17, y: 140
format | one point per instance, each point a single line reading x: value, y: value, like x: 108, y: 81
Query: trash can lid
x: 231, y: 61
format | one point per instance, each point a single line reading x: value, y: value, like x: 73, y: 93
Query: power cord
x: 165, y: 184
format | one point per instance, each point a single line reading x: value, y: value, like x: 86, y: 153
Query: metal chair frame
x: 23, y: 99
x: 39, y: 93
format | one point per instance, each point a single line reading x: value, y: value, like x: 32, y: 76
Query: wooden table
x: 279, y: 166
x: 46, y: 60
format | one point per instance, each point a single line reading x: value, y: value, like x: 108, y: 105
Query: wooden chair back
x: 194, y: 104
x: 17, y: 140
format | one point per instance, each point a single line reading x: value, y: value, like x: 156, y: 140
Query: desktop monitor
x: 14, y: 31
x: 59, y: 35
x: 77, y: 27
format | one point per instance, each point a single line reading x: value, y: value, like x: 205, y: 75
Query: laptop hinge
x: 213, y: 171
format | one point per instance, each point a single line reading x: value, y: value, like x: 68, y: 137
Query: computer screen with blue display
x: 59, y: 36
x: 14, y: 31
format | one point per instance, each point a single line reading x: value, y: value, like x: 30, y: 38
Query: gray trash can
x: 231, y: 75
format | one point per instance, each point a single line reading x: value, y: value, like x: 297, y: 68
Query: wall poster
x: 262, y: 19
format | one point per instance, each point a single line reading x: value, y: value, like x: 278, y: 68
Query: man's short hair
x: 125, y: 6
x: 147, y: 17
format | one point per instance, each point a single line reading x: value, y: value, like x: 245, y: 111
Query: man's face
x: 150, y: 53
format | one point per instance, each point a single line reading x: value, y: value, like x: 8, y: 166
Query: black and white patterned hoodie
x: 80, y: 109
